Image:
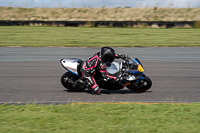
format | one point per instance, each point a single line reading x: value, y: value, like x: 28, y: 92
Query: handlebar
x: 129, y: 63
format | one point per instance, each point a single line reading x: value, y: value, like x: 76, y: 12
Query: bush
x: 197, y: 24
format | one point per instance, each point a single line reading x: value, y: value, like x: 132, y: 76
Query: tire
x: 141, y: 85
x: 67, y: 84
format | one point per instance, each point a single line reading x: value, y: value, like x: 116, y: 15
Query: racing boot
x: 96, y: 90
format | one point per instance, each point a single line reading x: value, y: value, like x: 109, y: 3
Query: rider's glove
x: 123, y: 56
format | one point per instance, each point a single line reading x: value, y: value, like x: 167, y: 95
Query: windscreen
x: 112, y: 68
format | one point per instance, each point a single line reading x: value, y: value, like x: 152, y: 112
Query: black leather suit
x: 95, y: 64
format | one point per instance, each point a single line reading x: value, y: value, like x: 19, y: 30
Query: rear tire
x: 67, y: 84
x: 141, y: 86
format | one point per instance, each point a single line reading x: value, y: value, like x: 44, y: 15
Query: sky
x: 101, y: 3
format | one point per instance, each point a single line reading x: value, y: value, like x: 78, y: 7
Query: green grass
x: 100, y: 118
x: 96, y: 37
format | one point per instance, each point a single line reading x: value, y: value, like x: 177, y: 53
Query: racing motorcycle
x: 131, y: 70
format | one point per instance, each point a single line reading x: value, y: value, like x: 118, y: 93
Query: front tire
x: 68, y: 85
x: 141, y: 85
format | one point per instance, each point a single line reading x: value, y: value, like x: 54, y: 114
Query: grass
x: 100, y: 118
x: 97, y: 37
x: 100, y: 14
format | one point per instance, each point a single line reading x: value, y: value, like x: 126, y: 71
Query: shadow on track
x: 109, y: 91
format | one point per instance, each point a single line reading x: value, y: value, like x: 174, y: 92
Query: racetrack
x: 32, y: 75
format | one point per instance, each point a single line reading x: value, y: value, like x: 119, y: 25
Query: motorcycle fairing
x: 70, y: 64
x: 138, y: 72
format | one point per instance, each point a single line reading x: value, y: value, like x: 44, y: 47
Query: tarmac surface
x: 32, y: 75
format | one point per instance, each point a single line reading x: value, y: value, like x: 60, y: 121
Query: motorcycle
x: 132, y: 75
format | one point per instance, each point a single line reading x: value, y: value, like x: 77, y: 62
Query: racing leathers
x: 93, y: 65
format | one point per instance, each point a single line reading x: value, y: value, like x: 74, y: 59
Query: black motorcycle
x: 132, y: 70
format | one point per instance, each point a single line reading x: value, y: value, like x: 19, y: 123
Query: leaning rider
x: 97, y: 63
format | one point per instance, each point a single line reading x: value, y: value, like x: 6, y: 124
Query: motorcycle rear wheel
x: 141, y: 86
x: 67, y: 84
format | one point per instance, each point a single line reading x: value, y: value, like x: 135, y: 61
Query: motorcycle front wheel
x: 67, y: 80
x: 141, y: 85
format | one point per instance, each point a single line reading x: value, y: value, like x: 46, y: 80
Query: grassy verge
x: 100, y: 118
x: 97, y: 37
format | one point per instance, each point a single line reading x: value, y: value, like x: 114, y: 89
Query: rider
x: 97, y: 63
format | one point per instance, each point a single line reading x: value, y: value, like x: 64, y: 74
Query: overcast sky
x: 101, y: 3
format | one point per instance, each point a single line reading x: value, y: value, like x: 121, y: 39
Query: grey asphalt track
x: 32, y: 75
